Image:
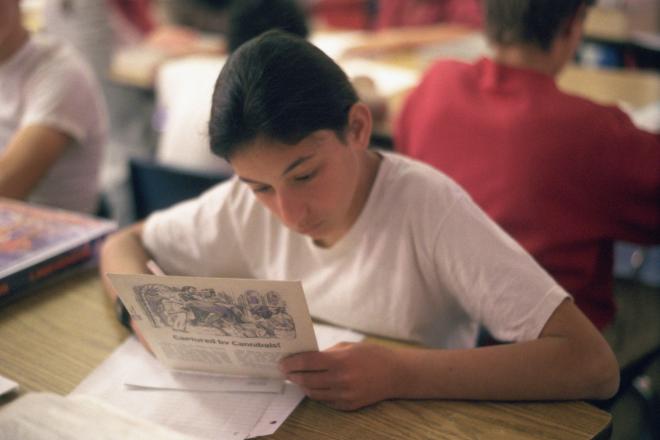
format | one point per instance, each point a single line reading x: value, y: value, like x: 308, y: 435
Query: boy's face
x: 312, y: 186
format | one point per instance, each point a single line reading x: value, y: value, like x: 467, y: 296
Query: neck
x: 528, y: 57
x: 370, y: 165
x: 13, y: 42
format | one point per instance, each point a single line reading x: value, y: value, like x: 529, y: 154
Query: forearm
x: 28, y: 157
x: 570, y: 360
x: 542, y: 369
x: 123, y: 252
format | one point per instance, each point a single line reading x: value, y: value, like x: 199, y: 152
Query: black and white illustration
x: 249, y: 314
x: 218, y: 325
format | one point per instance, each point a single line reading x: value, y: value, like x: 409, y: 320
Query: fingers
x: 314, y: 373
x: 313, y: 380
x: 345, y: 377
x: 308, y: 361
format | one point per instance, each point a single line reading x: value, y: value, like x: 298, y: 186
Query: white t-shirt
x: 184, y: 88
x: 421, y: 263
x: 46, y: 83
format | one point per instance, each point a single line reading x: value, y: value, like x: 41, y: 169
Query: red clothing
x: 343, y: 14
x: 561, y: 174
x: 137, y: 12
x: 399, y: 13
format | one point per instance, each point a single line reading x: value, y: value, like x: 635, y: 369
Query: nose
x: 292, y: 209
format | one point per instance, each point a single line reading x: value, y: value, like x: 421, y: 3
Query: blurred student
x: 342, y: 14
x: 52, y: 119
x: 382, y: 243
x: 407, y: 13
x: 563, y: 175
x: 100, y: 29
x: 184, y: 87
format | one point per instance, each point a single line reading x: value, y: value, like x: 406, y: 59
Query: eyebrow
x: 287, y: 170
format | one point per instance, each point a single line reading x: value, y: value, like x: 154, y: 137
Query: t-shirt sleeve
x: 66, y: 97
x: 199, y: 237
x: 492, y: 277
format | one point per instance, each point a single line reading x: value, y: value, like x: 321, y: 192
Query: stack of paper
x: 212, y: 414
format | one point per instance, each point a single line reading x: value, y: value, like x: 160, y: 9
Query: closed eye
x: 261, y: 189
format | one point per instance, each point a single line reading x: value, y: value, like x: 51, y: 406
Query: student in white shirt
x: 382, y: 244
x: 52, y: 119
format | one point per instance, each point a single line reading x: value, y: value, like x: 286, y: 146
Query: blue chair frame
x: 156, y: 186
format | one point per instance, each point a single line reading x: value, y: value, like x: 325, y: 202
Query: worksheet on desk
x: 206, y: 415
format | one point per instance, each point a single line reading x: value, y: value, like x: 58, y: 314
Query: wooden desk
x: 51, y: 340
x: 635, y: 88
x: 610, y: 24
x: 611, y: 86
x: 625, y: 24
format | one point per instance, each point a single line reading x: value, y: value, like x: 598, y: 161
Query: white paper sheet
x: 206, y: 415
x: 327, y: 335
x: 7, y: 385
x: 646, y: 117
x: 153, y: 374
x: 46, y: 416
x: 183, y: 381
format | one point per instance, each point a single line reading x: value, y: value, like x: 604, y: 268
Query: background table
x: 54, y: 338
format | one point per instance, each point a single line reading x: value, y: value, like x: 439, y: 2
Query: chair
x: 157, y: 186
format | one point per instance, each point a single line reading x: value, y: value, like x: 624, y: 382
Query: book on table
x: 39, y: 243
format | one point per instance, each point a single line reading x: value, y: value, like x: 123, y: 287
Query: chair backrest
x: 157, y: 186
x: 637, y: 263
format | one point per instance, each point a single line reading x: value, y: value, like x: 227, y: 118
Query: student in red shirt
x: 561, y: 174
x: 403, y: 13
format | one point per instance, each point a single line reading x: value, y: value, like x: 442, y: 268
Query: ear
x: 575, y: 24
x: 359, y: 125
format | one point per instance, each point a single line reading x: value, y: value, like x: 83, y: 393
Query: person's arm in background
x: 27, y: 158
x: 627, y: 160
x: 123, y: 252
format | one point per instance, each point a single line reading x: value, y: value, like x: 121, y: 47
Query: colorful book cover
x: 37, y: 242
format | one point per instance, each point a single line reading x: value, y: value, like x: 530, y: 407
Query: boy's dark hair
x: 280, y: 87
x: 250, y: 18
x: 537, y: 22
